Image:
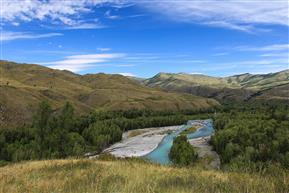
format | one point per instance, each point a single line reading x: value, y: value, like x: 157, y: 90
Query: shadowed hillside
x: 234, y: 88
x: 23, y: 86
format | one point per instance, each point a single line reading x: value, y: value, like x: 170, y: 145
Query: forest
x: 252, y: 136
x: 60, y: 134
x: 248, y: 136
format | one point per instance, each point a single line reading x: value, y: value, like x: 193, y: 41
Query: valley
x: 144, y: 96
x: 237, y: 130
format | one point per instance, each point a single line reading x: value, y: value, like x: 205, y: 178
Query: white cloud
x: 126, y: 74
x: 67, y: 12
x: 237, y: 14
x: 87, y: 26
x: 274, y: 54
x: 108, y: 15
x: 77, y: 63
x: 196, y: 73
x: 274, y: 47
x: 8, y: 35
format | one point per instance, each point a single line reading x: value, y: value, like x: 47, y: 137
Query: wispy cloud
x: 8, y: 35
x: 66, y: 12
x: 86, y: 26
x: 108, y: 15
x: 77, y: 63
x: 237, y: 14
x: 262, y: 62
x: 126, y: 74
x: 274, y: 47
x: 221, y: 54
x: 104, y: 49
x: 136, y: 15
x: 274, y: 54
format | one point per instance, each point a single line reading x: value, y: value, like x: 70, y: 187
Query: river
x: 160, y: 154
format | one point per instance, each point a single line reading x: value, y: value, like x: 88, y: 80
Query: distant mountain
x: 260, y: 81
x: 23, y: 86
x: 233, y: 88
x: 138, y: 79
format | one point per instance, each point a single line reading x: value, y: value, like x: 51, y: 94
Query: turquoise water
x: 160, y: 154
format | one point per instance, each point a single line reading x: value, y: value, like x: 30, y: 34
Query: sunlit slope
x: 233, y: 88
x: 90, y: 176
x: 23, y: 86
x: 260, y: 81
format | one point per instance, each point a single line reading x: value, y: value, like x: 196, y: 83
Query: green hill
x: 23, y: 86
x: 232, y: 88
x: 93, y: 176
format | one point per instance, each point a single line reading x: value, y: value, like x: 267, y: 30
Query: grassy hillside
x: 68, y: 176
x: 233, y: 88
x: 23, y: 86
x: 180, y: 79
x: 260, y: 81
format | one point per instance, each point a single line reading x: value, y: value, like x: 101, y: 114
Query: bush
x: 182, y: 152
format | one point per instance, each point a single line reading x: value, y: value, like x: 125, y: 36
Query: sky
x: 142, y: 38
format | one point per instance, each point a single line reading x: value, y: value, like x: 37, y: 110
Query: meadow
x: 131, y: 176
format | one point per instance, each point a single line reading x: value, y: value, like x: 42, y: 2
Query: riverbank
x: 140, y: 145
x: 148, y: 142
x: 205, y: 152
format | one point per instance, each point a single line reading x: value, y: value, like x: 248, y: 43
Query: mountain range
x: 23, y: 86
x: 241, y: 87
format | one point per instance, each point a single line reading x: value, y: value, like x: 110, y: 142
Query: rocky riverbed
x: 205, y: 150
x: 139, y: 145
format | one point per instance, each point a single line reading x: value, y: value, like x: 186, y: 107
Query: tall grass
x: 129, y: 176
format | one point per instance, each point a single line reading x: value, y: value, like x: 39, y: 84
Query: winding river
x: 160, y: 154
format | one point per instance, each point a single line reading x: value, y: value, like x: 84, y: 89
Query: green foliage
x: 42, y: 115
x: 59, y: 134
x: 182, y: 152
x: 51, y: 136
x: 66, y: 118
x: 101, y: 134
x: 252, y: 134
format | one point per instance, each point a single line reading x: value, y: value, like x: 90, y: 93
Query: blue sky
x: 142, y: 38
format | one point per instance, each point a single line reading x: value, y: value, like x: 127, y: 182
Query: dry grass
x: 71, y: 176
x: 137, y: 132
x: 191, y: 129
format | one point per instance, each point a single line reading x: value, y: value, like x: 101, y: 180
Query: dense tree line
x: 61, y: 134
x: 182, y: 152
x: 252, y: 134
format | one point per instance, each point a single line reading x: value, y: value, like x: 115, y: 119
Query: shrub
x: 182, y: 153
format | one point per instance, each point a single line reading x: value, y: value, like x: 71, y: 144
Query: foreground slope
x: 23, y: 86
x: 233, y: 88
x: 129, y: 176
